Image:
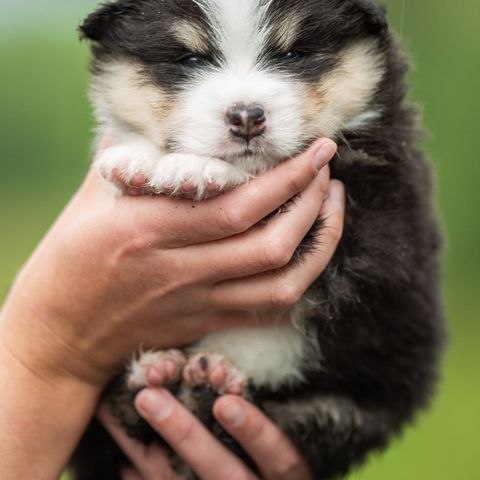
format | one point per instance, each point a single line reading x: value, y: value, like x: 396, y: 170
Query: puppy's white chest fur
x: 269, y: 356
x: 229, y: 361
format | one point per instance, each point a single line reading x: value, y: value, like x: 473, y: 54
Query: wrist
x: 49, y: 384
x: 41, y: 412
x: 30, y: 338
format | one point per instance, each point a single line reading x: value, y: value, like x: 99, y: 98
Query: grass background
x: 45, y: 131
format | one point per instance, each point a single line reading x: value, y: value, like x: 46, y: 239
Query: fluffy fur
x: 361, y: 354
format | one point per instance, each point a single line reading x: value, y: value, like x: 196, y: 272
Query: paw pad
x: 156, y: 368
x: 214, y: 371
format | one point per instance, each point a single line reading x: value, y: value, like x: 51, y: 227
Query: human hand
x: 113, y: 272
x: 272, y: 452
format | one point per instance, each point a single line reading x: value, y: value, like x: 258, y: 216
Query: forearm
x: 41, y: 418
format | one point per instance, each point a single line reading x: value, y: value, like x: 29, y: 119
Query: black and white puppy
x: 201, y: 95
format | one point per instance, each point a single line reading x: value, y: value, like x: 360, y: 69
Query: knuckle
x: 323, y: 184
x: 287, y: 465
x: 122, y: 253
x: 154, y: 474
x: 184, y: 430
x: 252, y: 432
x: 286, y: 294
x: 336, y: 233
x: 137, y: 244
x: 162, y: 475
x: 294, y: 184
x: 232, y: 220
x: 333, y: 231
x: 278, y: 253
x: 238, y: 474
x: 137, y: 231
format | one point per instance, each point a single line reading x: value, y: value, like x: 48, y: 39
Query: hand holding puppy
x: 274, y: 455
x: 113, y: 272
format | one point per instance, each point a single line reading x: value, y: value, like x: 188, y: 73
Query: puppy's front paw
x: 214, y: 371
x: 194, y: 177
x: 156, y: 368
x: 131, y: 163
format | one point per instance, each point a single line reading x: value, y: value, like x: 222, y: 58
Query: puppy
x: 201, y: 95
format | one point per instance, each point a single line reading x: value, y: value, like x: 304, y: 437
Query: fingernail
x: 154, y: 404
x: 233, y: 414
x: 324, y: 154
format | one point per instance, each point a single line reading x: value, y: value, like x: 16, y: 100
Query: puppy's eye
x: 191, y: 61
x: 293, y: 55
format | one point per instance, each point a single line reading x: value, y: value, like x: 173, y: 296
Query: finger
x: 147, y: 460
x: 130, y: 474
x: 287, y: 287
x: 235, y: 211
x: 221, y: 320
x: 273, y: 453
x: 240, y: 209
x: 264, y: 248
x: 188, y: 437
x: 104, y: 142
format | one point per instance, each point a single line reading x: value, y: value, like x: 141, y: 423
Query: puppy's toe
x: 156, y: 368
x: 214, y: 371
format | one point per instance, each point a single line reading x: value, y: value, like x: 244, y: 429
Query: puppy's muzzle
x: 246, y: 121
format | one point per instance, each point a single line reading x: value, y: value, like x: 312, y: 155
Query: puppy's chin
x: 254, y: 160
x: 258, y: 155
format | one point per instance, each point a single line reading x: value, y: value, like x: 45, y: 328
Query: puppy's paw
x: 128, y: 164
x: 156, y: 368
x: 214, y: 371
x: 194, y: 177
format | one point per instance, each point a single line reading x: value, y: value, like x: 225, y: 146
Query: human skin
x: 272, y: 452
x: 113, y: 272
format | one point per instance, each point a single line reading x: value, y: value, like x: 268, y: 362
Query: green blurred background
x: 46, y: 129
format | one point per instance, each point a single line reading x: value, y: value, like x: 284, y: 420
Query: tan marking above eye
x: 191, y: 36
x: 287, y: 30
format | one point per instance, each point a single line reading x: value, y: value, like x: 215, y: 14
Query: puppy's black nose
x: 246, y: 122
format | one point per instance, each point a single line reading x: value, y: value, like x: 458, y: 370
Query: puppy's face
x: 246, y: 81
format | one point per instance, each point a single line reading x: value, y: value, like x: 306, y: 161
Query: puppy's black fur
x: 377, y: 316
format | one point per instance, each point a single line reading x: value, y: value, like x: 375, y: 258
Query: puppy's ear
x: 375, y: 15
x: 101, y: 22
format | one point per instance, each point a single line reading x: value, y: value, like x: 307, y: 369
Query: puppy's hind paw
x: 216, y: 372
x: 156, y: 368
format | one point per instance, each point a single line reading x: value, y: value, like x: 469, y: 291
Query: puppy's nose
x: 246, y: 121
